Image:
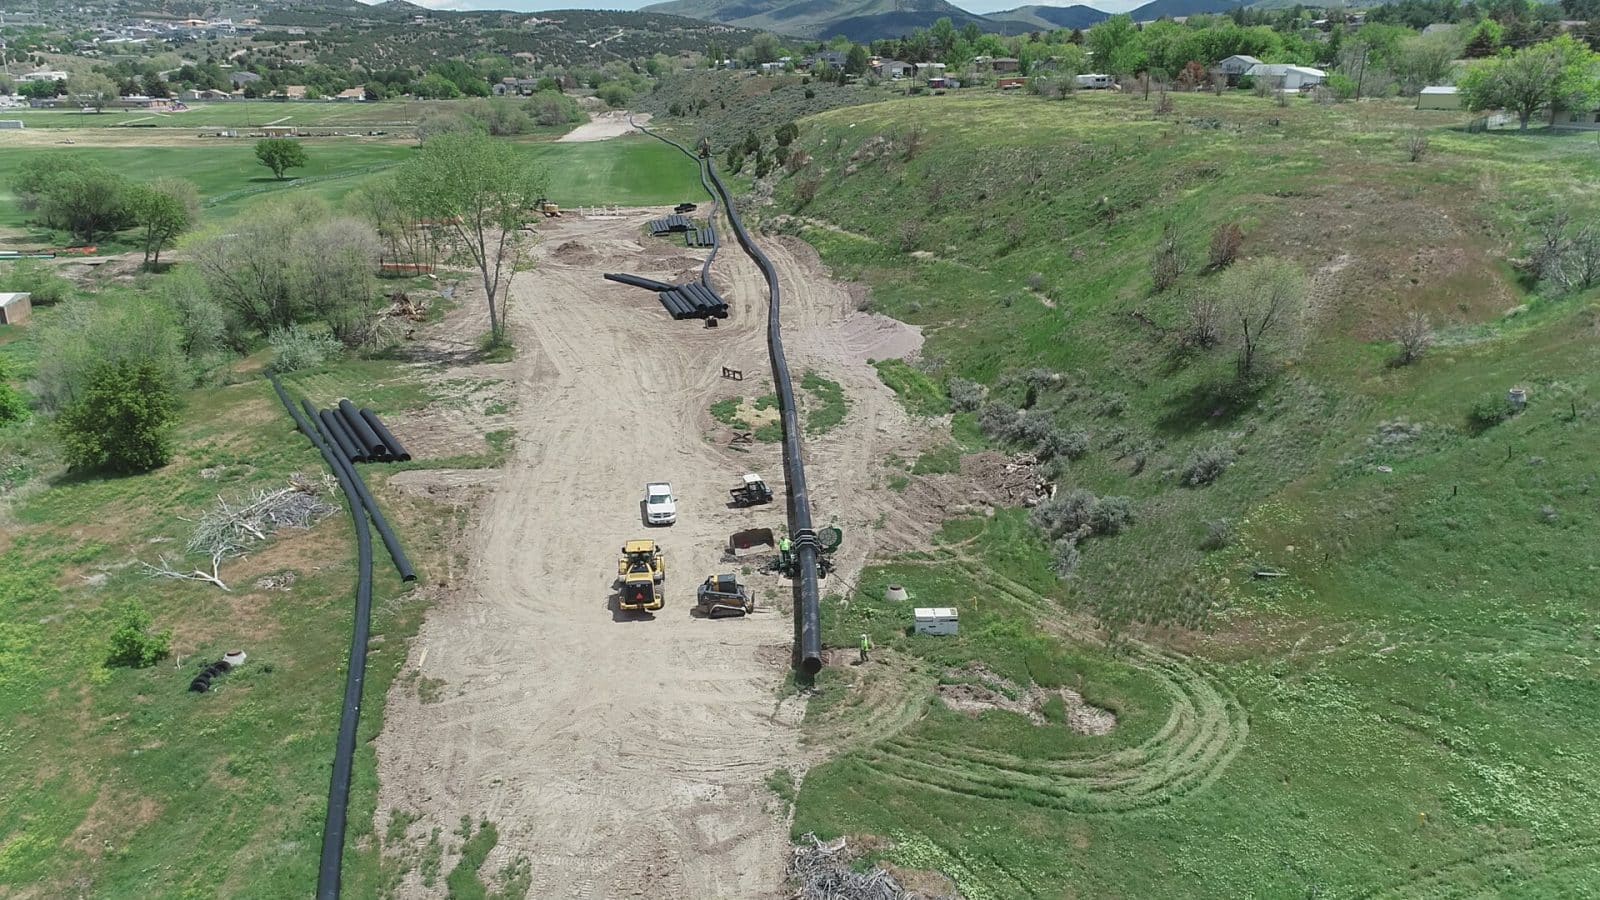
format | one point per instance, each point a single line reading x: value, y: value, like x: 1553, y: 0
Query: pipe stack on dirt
x: 682, y: 301
x: 360, y: 435
x: 808, y: 617
x: 671, y: 224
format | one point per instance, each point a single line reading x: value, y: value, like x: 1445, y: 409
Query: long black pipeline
x: 391, y: 543
x: 333, y: 829
x: 808, y: 643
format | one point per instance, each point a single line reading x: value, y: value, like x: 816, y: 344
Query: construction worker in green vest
x: 785, y: 561
x: 866, y: 645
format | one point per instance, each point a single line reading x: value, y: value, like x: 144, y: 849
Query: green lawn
x: 635, y: 170
x: 1405, y: 711
x: 237, y: 114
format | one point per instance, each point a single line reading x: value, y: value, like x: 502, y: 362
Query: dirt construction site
x: 625, y: 754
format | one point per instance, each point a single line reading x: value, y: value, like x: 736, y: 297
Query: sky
x: 977, y: 6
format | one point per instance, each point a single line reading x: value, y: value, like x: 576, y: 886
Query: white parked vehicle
x: 1096, y: 82
x: 660, y: 507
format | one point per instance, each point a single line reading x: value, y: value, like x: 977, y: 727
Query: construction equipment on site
x: 720, y: 596
x: 827, y: 541
x: 640, y: 572
x: 550, y: 210
x: 753, y: 491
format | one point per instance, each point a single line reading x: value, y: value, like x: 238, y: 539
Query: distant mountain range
x: 866, y: 20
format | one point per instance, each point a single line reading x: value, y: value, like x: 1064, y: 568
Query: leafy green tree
x: 483, y: 190
x: 93, y: 91
x: 615, y: 94
x: 1557, y: 73
x: 855, y: 61
x: 162, y: 210
x: 434, y: 86
x: 786, y: 134
x: 73, y: 193
x: 1115, y: 43
x: 133, y: 644
x: 280, y: 155
x: 39, y: 90
x: 123, y: 422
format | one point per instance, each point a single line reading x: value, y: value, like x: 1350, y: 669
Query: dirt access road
x: 603, y: 126
x: 625, y: 756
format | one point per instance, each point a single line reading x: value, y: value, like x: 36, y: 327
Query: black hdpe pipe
x: 395, y: 448
x: 808, y: 617
x: 331, y: 864
x: 402, y: 564
x: 649, y: 284
x: 360, y: 430
x: 341, y: 438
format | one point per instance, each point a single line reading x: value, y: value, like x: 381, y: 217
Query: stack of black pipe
x: 669, y: 224
x: 360, y: 435
x: 684, y: 301
x: 699, y: 237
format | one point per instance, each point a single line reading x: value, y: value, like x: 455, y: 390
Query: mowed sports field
x: 636, y: 171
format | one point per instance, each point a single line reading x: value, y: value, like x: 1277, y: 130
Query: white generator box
x: 937, y: 620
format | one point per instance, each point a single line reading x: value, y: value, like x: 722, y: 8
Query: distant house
x: 355, y: 94
x: 240, y: 79
x: 1287, y: 77
x: 930, y: 70
x: 292, y: 91
x: 894, y: 68
x: 773, y: 68
x: 15, y: 308
x: 205, y: 94
x: 139, y: 101
x: 44, y: 75
x: 1575, y: 119
x: 833, y: 59
x: 520, y: 87
x: 1235, y: 66
x: 1445, y: 96
x: 1003, y: 64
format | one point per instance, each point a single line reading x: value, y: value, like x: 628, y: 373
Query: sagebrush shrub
x: 1207, y: 465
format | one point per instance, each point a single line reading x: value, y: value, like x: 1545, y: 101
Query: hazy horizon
x: 981, y: 7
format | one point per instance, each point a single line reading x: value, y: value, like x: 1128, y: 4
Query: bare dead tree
x: 1265, y: 300
x: 1414, y: 334
x: 1417, y: 145
x: 1204, y: 327
x: 1225, y: 243
x: 1167, y: 263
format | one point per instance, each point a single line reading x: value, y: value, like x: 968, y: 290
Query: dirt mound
x: 867, y: 337
x: 573, y: 253
x: 983, y: 690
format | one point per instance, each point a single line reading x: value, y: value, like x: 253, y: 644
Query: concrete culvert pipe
x: 234, y: 658
x: 896, y: 594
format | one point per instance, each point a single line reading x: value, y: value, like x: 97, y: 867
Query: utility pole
x: 1362, y: 75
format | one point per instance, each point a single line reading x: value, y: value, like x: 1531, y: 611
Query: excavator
x: 641, y: 569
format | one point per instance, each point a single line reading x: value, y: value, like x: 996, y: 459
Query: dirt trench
x: 625, y: 756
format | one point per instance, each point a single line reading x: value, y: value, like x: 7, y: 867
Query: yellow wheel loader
x: 640, y: 572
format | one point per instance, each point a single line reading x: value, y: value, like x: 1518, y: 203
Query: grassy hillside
x: 1075, y: 16
x: 1401, y: 706
x: 860, y: 20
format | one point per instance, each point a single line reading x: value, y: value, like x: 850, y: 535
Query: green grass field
x: 639, y: 170
x: 628, y: 171
x: 1405, y: 711
x: 236, y: 114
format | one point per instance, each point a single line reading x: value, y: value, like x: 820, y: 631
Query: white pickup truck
x: 660, y: 507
